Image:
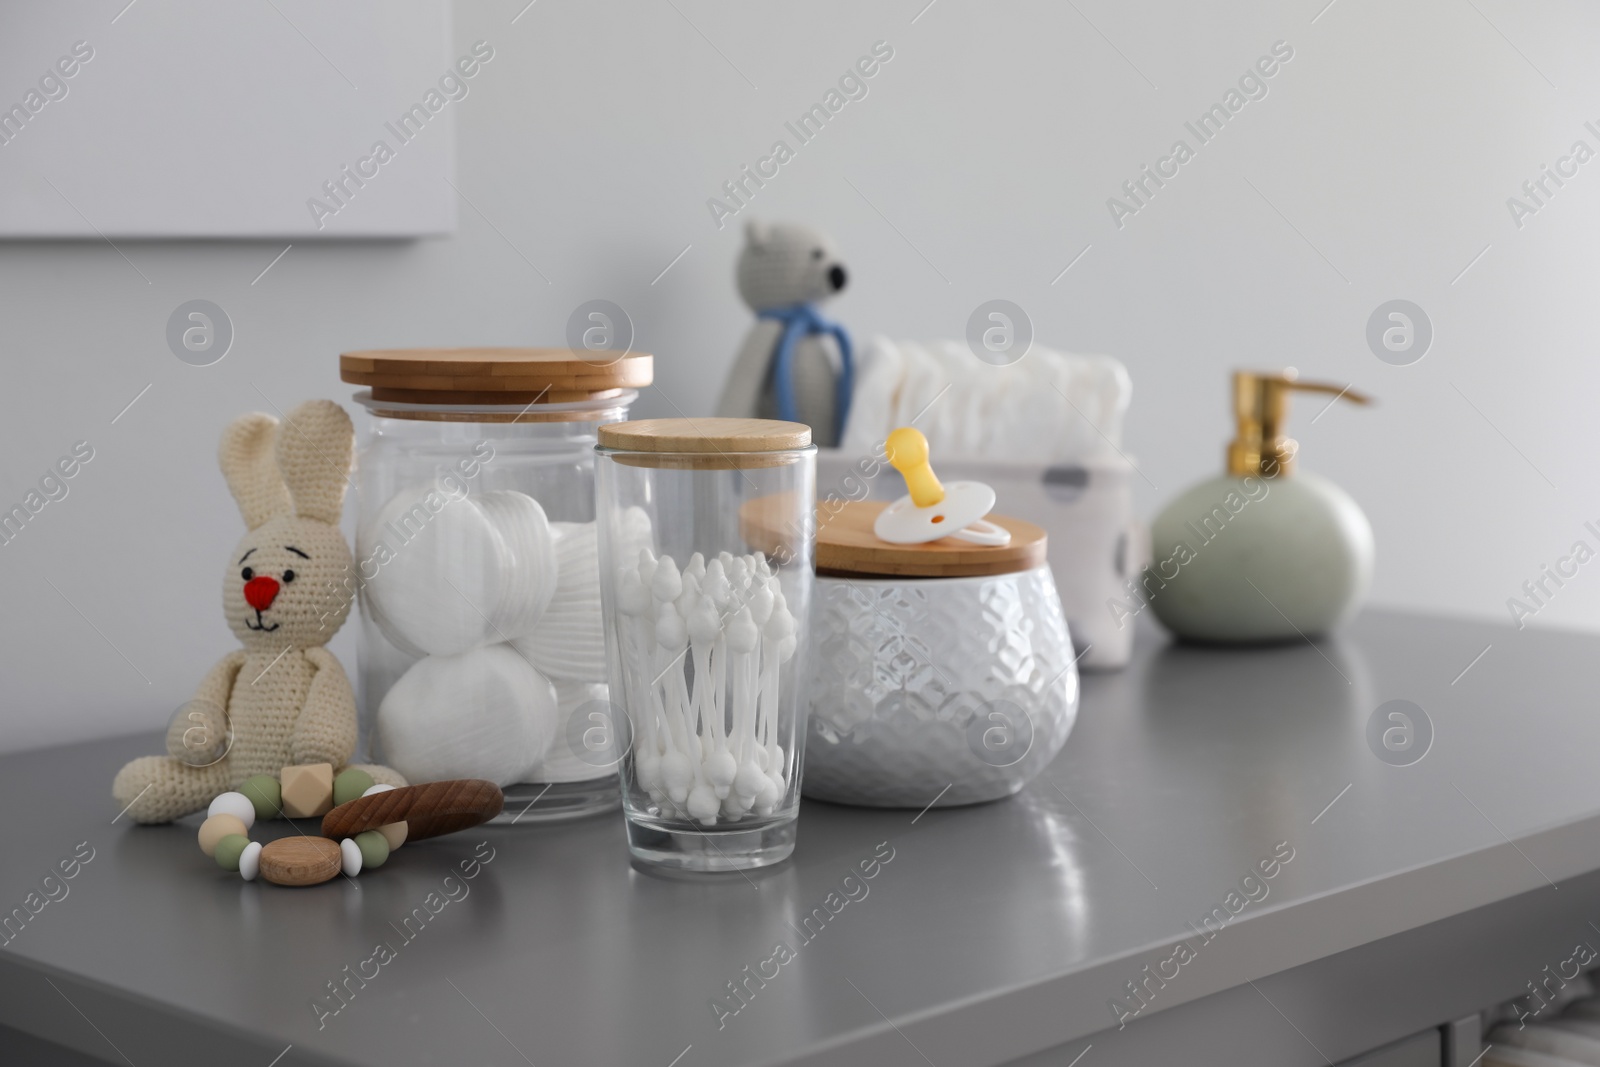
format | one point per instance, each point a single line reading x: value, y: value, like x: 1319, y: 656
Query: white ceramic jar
x: 931, y: 684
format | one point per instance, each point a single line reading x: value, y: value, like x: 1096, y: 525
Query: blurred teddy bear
x: 793, y: 365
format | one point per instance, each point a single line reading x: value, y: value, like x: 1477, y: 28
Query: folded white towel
x: 1049, y: 407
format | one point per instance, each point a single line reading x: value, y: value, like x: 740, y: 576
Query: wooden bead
x: 394, y: 833
x: 216, y: 828
x: 300, y: 860
x: 307, y: 790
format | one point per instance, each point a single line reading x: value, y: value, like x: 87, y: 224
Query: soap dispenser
x: 1264, y: 552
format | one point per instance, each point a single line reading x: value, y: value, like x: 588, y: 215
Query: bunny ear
x: 315, y: 449
x: 247, y: 463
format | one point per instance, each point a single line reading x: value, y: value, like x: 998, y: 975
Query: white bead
x: 352, y: 856
x: 250, y: 861
x: 379, y: 788
x: 236, y: 804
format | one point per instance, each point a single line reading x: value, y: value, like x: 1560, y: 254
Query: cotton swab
x: 708, y: 750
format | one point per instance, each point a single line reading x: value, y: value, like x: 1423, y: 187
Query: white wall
x: 985, y: 152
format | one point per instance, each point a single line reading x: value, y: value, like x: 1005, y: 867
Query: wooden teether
x: 300, y: 860
x: 427, y: 810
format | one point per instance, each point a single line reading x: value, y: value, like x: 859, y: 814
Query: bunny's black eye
x: 247, y: 574
x: 288, y: 576
x: 816, y: 253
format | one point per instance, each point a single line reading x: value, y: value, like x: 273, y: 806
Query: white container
x: 1095, y: 545
x: 955, y: 690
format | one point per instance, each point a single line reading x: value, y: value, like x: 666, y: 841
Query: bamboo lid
x: 494, y: 375
x: 847, y: 547
x: 706, y: 444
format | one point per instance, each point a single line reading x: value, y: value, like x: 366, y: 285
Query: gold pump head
x: 1261, y: 406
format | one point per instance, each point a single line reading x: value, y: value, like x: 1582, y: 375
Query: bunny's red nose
x: 259, y: 593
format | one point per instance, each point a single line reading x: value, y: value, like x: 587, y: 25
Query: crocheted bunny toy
x: 284, y: 696
x: 794, y: 364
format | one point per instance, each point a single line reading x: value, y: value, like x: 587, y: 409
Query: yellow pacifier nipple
x: 908, y: 453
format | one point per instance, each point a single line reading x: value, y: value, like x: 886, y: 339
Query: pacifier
x: 932, y: 510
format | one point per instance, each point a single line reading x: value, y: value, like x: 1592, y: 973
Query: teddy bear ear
x: 757, y: 233
x: 315, y: 447
x: 250, y: 469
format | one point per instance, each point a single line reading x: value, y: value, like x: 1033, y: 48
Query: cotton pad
x: 527, y: 542
x: 485, y: 713
x: 438, y: 573
x: 560, y: 762
x: 568, y: 641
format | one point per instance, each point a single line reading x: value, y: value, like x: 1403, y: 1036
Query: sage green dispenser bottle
x: 1263, y: 552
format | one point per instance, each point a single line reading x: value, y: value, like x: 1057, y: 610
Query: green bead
x: 229, y: 849
x: 349, y: 785
x: 266, y: 794
x: 374, y: 848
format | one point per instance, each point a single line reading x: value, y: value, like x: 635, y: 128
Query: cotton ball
x: 696, y: 566
x: 647, y: 565
x: 482, y: 714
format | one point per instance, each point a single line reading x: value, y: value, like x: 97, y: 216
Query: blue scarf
x: 799, y: 321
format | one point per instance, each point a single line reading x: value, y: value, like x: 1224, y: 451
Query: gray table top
x: 990, y: 932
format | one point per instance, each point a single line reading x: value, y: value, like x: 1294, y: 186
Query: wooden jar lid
x: 847, y: 547
x: 494, y: 375
x: 706, y: 444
